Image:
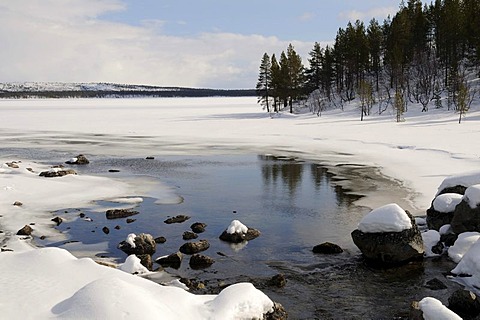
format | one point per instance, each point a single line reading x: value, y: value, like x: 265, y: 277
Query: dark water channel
x: 294, y: 204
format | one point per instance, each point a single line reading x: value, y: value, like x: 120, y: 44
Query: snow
x: 131, y: 239
x: 463, y: 243
x: 415, y: 155
x: 133, y: 265
x: 237, y: 227
x: 465, y: 179
x: 472, y: 196
x: 388, y: 218
x: 430, y: 239
x: 447, y: 202
x: 470, y: 265
x: 446, y: 229
x: 433, y: 309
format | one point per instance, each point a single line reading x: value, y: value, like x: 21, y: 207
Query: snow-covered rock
x: 389, y: 218
x: 463, y: 243
x: 237, y: 227
x: 464, y: 180
x: 472, y: 196
x: 447, y: 202
x: 430, y: 239
x: 133, y: 265
x: 237, y: 232
x: 434, y: 309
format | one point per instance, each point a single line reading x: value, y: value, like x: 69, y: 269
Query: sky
x: 209, y: 43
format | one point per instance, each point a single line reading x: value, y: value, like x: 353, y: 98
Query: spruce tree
x: 264, y: 82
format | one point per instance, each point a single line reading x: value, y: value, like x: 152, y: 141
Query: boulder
x: 278, y: 313
x: 173, y: 261
x: 199, y: 261
x: 57, y: 172
x: 146, y: 261
x: 18, y: 203
x: 442, y: 209
x: 106, y: 230
x: 238, y: 232
x: 435, y: 284
x: 189, y: 235
x: 160, y: 239
x: 464, y: 303
x: 120, y: 213
x: 178, y: 219
x: 57, y: 220
x: 278, y: 281
x: 143, y: 244
x: 80, y: 159
x: 465, y: 218
x: 25, y: 231
x: 327, y: 248
x: 194, y: 247
x: 198, y: 227
x: 390, y: 248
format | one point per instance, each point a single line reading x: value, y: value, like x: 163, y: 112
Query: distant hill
x: 108, y: 90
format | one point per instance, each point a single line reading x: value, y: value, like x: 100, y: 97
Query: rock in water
x: 194, y: 247
x: 80, y: 159
x: 189, y: 235
x: 178, y: 219
x: 173, y: 261
x: 327, y: 248
x: 198, y: 261
x: 120, y: 213
x: 198, y: 227
x: 143, y: 244
x: 464, y: 303
x: 238, y: 232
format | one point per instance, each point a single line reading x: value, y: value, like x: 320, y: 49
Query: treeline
x: 425, y: 54
x: 167, y: 93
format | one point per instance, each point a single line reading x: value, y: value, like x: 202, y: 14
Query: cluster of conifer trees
x: 426, y: 53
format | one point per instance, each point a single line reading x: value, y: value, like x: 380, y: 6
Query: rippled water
x: 296, y: 205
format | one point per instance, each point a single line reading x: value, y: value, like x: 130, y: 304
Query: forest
x: 427, y: 54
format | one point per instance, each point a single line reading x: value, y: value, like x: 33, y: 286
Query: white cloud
x: 379, y: 13
x: 66, y: 40
x: 307, y: 16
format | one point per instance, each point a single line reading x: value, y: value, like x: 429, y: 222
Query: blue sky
x: 212, y: 43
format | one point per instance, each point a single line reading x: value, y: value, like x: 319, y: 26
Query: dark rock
x: 120, y: 213
x: 146, y: 261
x: 43, y: 238
x: 193, y: 284
x: 465, y: 218
x: 144, y: 244
x: 12, y: 165
x: 18, y: 204
x: 198, y: 227
x: 194, y: 247
x: 189, y: 235
x: 160, y: 239
x: 448, y: 239
x: 117, y: 227
x: 6, y: 250
x: 415, y: 312
x: 464, y: 303
x: 81, y: 215
x: 57, y: 173
x: 438, y: 248
x: 240, y: 237
x: 278, y: 313
x: 80, y: 159
x: 278, y: 281
x: 199, y: 261
x: 173, y: 261
x: 150, y: 158
x: 178, y: 219
x: 327, y: 248
x: 57, y: 220
x: 390, y: 248
x: 436, y: 219
x: 130, y: 220
x: 106, y: 230
x: 25, y: 231
x: 113, y: 170
x: 456, y: 189
x: 435, y: 284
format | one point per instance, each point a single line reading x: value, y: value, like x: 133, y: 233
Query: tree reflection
x: 275, y: 170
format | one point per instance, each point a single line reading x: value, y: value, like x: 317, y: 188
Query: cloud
x: 379, y: 13
x: 67, y: 41
x: 307, y: 16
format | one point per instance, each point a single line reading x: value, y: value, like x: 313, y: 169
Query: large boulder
x: 442, y: 209
x: 194, y: 247
x: 464, y: 303
x: 467, y: 213
x: 138, y: 245
x: 388, y: 236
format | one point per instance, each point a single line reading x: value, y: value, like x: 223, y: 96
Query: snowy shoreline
x: 417, y: 155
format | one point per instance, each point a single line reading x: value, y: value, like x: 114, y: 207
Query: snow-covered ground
x: 50, y: 283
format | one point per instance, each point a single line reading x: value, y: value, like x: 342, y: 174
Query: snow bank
x: 433, y: 309
x: 42, y: 287
x: 466, y: 179
x: 447, y: 202
x: 389, y: 218
x: 237, y: 227
x: 463, y: 243
x: 132, y: 200
x: 430, y: 239
x: 472, y: 196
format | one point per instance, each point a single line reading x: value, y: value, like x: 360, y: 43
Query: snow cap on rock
x: 388, y: 218
x: 237, y: 227
x: 447, y: 202
x: 472, y: 196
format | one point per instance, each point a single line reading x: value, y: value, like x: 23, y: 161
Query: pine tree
x: 264, y: 82
x: 314, y: 71
x: 296, y: 76
x: 276, y: 82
